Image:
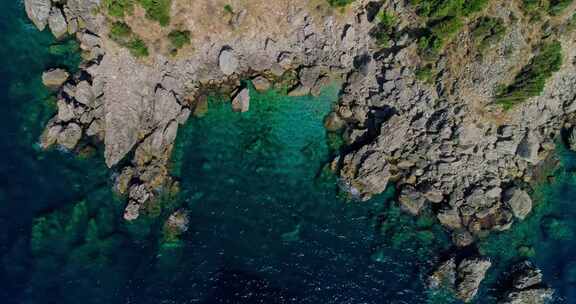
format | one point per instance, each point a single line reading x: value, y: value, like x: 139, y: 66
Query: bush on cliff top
x: 531, y: 80
x: 122, y: 34
x: 339, y: 3
x: 158, y: 10
x: 118, y: 8
x: 445, y: 18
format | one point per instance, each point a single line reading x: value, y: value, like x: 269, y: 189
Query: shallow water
x: 267, y: 222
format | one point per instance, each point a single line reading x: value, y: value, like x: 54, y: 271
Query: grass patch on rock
x: 531, y: 80
x: 122, y: 34
x: 179, y: 39
x: 157, y: 10
x: 488, y: 32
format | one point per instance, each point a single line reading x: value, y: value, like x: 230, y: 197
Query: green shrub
x: 178, y: 39
x: 339, y: 3
x: 122, y: 34
x: 487, y: 32
x: 137, y: 48
x: 438, y: 9
x: 385, y: 29
x: 118, y: 8
x: 426, y: 74
x: 531, y: 80
x: 558, y: 6
x: 228, y: 9
x: 157, y: 10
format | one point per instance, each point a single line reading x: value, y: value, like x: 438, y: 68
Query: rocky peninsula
x: 455, y: 103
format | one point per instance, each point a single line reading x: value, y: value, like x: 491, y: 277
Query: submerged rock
x: 55, y: 78
x: 38, y: 12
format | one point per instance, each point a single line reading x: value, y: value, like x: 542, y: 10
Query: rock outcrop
x: 527, y: 287
x: 55, y: 78
x: 463, y: 278
x: 38, y: 11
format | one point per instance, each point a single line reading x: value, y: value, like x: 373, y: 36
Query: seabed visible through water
x: 267, y: 224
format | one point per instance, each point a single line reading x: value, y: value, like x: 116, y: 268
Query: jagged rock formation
x: 527, y: 286
x: 442, y: 141
x: 462, y: 278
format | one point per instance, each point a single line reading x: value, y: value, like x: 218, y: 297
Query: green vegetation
x: 385, y: 30
x: 122, y: 34
x: 445, y: 18
x: 158, y: 10
x: 487, y: 32
x: 438, y: 9
x: 339, y: 3
x: 228, y: 9
x: 558, y: 6
x: 179, y: 39
x: 535, y: 8
x: 426, y: 74
x: 118, y: 8
x: 531, y: 80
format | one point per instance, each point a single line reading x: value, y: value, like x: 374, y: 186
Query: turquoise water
x: 267, y: 224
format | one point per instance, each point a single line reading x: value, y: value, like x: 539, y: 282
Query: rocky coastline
x: 444, y: 143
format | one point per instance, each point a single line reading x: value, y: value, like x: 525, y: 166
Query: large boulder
x: 57, y: 23
x: 525, y: 275
x: 55, y: 78
x: 261, y: 83
x: 70, y: 136
x: 241, y: 102
x: 471, y: 272
x: 38, y: 11
x: 529, y: 296
x: 519, y: 202
x: 463, y: 278
x: 228, y: 61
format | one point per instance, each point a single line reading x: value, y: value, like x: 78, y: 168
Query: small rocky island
x: 458, y: 104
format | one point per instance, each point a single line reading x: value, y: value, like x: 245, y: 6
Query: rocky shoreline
x: 444, y: 144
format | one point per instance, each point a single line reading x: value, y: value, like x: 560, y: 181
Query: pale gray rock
x: 55, y: 78
x: 50, y: 134
x: 471, y: 272
x: 38, y: 12
x: 529, y: 296
x: 57, y: 23
x: 228, y: 61
x: 84, y: 94
x: 241, y: 102
x: 519, y: 202
x: 450, y: 218
x: 528, y: 147
x: 70, y: 136
x: 166, y: 107
x: 132, y: 211
x: 525, y: 275
x: 463, y: 278
x: 261, y: 83
x: 65, y: 111
x: 299, y: 90
x: 411, y: 200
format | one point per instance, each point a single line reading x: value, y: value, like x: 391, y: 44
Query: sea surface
x: 267, y: 222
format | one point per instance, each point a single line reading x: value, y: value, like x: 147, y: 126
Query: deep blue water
x: 267, y: 224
